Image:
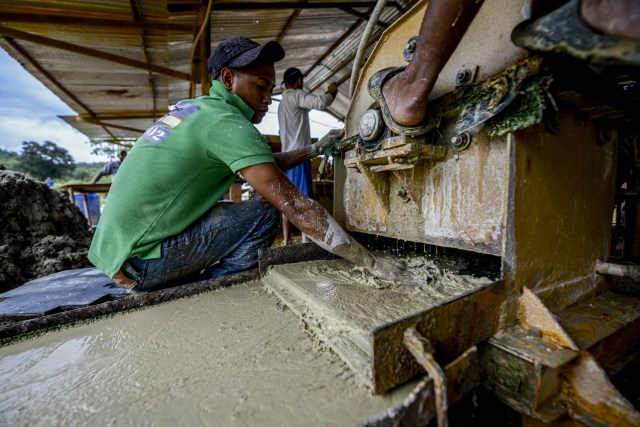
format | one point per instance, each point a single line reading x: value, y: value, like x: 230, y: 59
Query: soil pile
x: 41, y: 231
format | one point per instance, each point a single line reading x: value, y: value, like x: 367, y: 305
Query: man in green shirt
x: 164, y: 224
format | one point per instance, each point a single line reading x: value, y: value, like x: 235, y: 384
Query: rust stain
x: 121, y: 93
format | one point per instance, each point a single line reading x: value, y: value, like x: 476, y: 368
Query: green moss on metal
x: 525, y: 111
x: 519, y: 89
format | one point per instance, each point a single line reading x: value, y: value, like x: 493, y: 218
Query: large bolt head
x: 371, y: 125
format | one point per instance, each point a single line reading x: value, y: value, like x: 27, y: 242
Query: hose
x: 357, y: 62
x: 631, y: 271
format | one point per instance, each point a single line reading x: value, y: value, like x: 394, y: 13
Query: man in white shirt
x: 110, y: 168
x: 293, y: 118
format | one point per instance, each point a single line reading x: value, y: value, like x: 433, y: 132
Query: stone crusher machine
x: 521, y: 169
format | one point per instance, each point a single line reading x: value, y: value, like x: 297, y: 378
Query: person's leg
x: 619, y: 18
x: 302, y: 177
x: 604, y: 33
x: 443, y: 25
x: 306, y: 186
x: 228, y: 235
x: 260, y: 229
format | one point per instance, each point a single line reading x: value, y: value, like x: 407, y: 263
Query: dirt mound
x: 41, y: 231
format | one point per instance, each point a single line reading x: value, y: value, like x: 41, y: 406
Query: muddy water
x: 230, y: 357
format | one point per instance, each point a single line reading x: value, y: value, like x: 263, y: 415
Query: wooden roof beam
x: 49, y: 77
x: 33, y: 38
x: 104, y: 125
x: 52, y: 19
x: 137, y: 18
x: 290, y: 23
x: 122, y: 115
x: 235, y: 6
x: 334, y: 46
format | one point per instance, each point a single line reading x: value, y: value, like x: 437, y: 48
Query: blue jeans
x: 224, y: 240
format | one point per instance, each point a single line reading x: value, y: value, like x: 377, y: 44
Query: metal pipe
x: 357, y: 62
x: 631, y: 271
x: 362, y: 16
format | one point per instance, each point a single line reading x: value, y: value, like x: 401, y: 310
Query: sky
x: 31, y: 111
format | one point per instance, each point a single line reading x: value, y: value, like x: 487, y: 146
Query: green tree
x: 9, y: 159
x: 46, y: 160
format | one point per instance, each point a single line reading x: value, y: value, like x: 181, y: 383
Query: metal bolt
x: 410, y: 48
x: 463, y: 76
x: 402, y: 193
x: 371, y: 125
x: 461, y: 141
x: 521, y: 72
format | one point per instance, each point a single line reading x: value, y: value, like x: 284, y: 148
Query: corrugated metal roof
x: 119, y: 64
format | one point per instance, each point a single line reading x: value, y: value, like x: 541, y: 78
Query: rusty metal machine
x: 522, y: 167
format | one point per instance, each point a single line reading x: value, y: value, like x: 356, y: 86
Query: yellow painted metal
x: 422, y: 350
x: 533, y: 313
x: 560, y: 209
x: 451, y: 328
x: 418, y: 409
x: 457, y: 200
x: 486, y: 45
x: 604, y: 326
x: 593, y: 400
x: 540, y: 200
x: 527, y: 196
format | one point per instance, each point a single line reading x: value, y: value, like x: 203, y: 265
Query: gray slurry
x: 230, y: 357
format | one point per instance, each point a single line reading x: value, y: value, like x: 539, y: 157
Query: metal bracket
x: 396, y: 154
x: 422, y: 350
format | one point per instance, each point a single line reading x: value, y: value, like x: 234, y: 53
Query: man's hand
x: 333, y: 89
x: 330, y: 138
x: 391, y: 269
x: 123, y: 281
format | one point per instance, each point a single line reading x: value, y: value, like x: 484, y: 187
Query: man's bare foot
x: 407, y: 101
x: 619, y: 18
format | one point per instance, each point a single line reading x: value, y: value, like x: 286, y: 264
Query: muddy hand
x: 333, y: 89
x: 392, y: 270
x: 326, y: 141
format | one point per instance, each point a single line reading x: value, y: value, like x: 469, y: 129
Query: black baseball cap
x: 239, y: 51
x: 291, y: 75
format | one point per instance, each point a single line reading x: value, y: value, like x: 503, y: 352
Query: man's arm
x: 289, y: 159
x: 107, y: 169
x: 97, y: 177
x: 314, y: 221
x: 311, y: 101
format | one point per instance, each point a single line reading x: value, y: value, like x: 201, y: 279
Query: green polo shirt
x: 176, y: 171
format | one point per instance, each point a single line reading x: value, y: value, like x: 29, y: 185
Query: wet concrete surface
x: 228, y: 357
